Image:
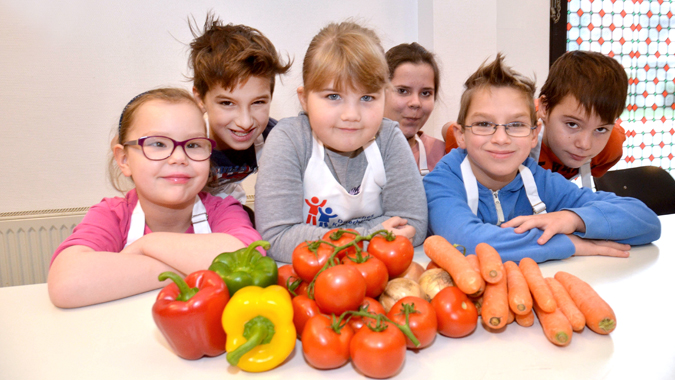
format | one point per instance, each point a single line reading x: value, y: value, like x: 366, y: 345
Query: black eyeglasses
x: 514, y: 129
x: 158, y: 148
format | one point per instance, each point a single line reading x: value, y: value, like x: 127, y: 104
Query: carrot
x: 599, y: 315
x: 495, y: 310
x: 535, y: 281
x: 566, y: 305
x: 512, y: 317
x: 556, y: 327
x: 491, y: 267
x: 449, y: 258
x: 520, y: 299
x: 473, y: 260
x: 432, y: 265
x: 526, y: 320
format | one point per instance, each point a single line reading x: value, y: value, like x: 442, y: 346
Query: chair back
x: 651, y: 184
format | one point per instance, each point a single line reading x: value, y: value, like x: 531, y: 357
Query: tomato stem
x: 381, y: 326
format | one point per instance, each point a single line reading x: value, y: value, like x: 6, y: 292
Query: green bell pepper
x: 246, y: 267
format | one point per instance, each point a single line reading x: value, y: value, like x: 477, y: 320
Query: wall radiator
x: 29, y: 238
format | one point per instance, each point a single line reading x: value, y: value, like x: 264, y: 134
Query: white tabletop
x: 120, y: 340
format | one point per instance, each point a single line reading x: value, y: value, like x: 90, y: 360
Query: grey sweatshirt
x: 279, y: 195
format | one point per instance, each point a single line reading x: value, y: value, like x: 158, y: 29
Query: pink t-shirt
x: 106, y: 225
x: 434, y: 148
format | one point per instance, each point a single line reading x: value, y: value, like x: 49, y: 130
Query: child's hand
x: 399, y: 226
x: 559, y: 222
x: 586, y: 247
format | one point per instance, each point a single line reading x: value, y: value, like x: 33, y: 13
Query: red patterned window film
x: 641, y: 36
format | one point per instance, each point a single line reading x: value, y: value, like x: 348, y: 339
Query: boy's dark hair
x: 598, y: 82
x: 227, y: 54
x: 496, y: 74
x: 416, y: 54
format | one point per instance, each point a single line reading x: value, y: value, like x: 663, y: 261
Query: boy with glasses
x: 490, y: 191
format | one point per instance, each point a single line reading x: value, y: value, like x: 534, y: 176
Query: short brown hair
x: 227, y: 54
x: 496, y: 74
x: 170, y: 95
x: 598, y: 82
x: 416, y: 54
x: 345, y: 53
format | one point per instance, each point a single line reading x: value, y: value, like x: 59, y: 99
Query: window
x: 641, y: 36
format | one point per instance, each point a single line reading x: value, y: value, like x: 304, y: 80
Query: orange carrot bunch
x: 510, y: 291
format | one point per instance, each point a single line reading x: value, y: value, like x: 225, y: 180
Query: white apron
x: 471, y: 186
x: 328, y: 204
x: 137, y: 226
x: 424, y: 169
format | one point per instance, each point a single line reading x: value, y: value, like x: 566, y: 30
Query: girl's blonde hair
x: 345, y: 54
x: 170, y: 95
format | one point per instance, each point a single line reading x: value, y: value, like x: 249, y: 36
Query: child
x: 410, y: 100
x: 490, y: 191
x: 340, y: 154
x: 234, y: 71
x: 584, y: 94
x: 162, y: 145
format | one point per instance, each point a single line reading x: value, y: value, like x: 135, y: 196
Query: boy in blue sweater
x: 490, y: 191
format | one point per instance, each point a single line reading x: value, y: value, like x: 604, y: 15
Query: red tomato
x: 422, y: 320
x: 308, y: 259
x: 322, y: 346
x: 304, y: 308
x: 457, y: 315
x: 340, y: 237
x: 378, y: 354
x: 339, y: 288
x: 396, y: 254
x: 301, y: 289
x: 287, y: 276
x: 373, y: 270
x: 373, y: 306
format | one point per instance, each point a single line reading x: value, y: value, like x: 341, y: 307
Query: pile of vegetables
x: 365, y: 306
x: 507, y: 291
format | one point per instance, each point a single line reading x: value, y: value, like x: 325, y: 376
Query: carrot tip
x: 521, y: 307
x: 493, y: 273
x: 561, y: 337
x: 494, y: 321
x: 607, y: 324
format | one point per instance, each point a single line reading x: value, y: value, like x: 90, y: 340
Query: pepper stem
x: 186, y: 292
x: 257, y: 331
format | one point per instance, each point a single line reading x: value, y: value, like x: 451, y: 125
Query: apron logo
x: 314, y: 207
x: 325, y: 216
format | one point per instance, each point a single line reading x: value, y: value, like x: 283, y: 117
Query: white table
x: 120, y: 340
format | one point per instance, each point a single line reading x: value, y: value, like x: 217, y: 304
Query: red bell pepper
x: 189, y: 313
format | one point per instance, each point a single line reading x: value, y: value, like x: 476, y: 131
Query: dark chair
x: 650, y: 184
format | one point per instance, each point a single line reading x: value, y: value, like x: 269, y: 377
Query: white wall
x: 67, y: 69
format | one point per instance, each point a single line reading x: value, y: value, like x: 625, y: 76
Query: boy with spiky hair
x: 234, y: 73
x: 490, y: 191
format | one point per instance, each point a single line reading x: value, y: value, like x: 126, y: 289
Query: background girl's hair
x: 345, y: 54
x: 416, y: 54
x: 496, y: 74
x: 171, y: 95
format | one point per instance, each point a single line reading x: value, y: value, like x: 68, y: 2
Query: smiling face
x: 574, y: 135
x: 343, y: 120
x: 410, y: 101
x: 237, y: 116
x: 495, y: 158
x: 173, y: 182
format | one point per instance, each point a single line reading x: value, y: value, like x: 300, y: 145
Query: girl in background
x: 339, y: 163
x: 163, y: 224
x: 410, y: 100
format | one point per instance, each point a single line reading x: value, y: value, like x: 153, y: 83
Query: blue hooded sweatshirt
x: 606, y: 216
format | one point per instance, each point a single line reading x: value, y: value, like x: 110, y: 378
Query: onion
x: 413, y: 272
x: 434, y: 280
x: 399, y: 288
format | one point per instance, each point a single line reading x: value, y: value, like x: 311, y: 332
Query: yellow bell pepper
x: 259, y: 327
